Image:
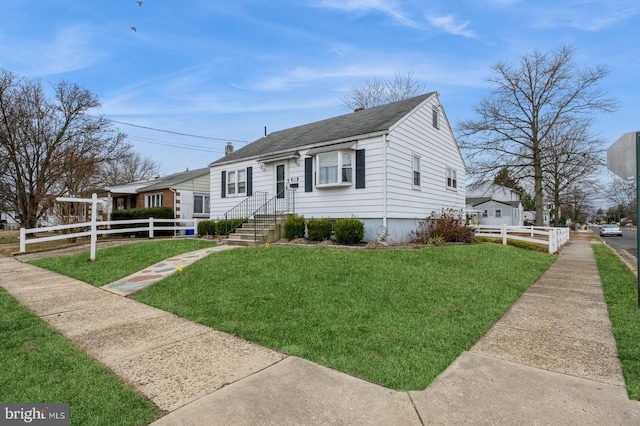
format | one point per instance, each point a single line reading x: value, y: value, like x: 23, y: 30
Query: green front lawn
x: 40, y: 366
x: 118, y: 262
x: 394, y: 317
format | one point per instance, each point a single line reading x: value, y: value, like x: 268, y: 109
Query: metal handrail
x: 261, y: 210
x: 269, y: 212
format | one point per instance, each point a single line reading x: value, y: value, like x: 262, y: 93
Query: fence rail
x: 85, y: 229
x: 554, y: 238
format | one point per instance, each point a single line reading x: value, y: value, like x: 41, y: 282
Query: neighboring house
x: 530, y: 218
x: 491, y: 204
x: 8, y: 220
x: 390, y: 166
x: 186, y: 193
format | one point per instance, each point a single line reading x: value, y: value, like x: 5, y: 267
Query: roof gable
x: 346, y: 126
x: 174, y: 179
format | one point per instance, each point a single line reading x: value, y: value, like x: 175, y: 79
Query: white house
x: 8, y: 220
x: 495, y: 204
x: 390, y: 166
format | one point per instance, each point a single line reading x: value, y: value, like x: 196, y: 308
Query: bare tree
x: 379, y: 92
x: 622, y: 194
x: 527, y: 102
x: 129, y: 168
x: 50, y: 147
x: 570, y: 161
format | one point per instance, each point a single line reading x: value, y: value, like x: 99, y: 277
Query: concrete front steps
x: 246, y: 235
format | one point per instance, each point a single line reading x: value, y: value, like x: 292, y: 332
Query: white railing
x: 84, y: 229
x: 555, y: 238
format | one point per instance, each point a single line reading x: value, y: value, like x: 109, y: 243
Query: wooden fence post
x: 150, y: 227
x: 503, y: 232
x: 23, y: 240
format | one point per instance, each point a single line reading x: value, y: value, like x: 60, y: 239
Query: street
x: 627, y: 242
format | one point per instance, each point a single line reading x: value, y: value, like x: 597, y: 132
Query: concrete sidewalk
x: 551, y: 359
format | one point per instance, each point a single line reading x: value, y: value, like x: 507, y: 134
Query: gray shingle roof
x: 173, y: 179
x: 476, y: 201
x: 345, y: 126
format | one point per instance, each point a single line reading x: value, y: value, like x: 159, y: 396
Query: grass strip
x: 40, y: 366
x: 393, y: 317
x: 621, y: 293
x: 114, y: 263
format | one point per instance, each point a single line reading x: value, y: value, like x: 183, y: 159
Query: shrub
x: 319, y: 229
x: 225, y: 226
x: 450, y: 225
x: 154, y: 212
x: 294, y: 227
x: 349, y: 231
x: 206, y: 227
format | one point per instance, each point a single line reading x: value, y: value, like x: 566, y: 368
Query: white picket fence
x: 555, y: 238
x: 84, y: 229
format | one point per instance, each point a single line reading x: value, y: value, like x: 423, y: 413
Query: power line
x: 175, y: 145
x: 176, y: 133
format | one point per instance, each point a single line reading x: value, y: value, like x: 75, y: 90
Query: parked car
x: 610, y: 229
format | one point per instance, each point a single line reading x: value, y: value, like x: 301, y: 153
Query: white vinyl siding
x: 415, y: 135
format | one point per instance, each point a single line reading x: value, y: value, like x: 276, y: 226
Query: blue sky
x: 225, y: 69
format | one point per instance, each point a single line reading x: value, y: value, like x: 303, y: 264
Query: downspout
x: 174, y: 207
x: 385, y: 144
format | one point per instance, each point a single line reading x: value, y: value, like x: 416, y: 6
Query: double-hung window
x: 201, y: 204
x: 416, y: 171
x: 335, y: 168
x: 498, y: 212
x: 153, y: 200
x: 236, y: 182
x: 452, y: 179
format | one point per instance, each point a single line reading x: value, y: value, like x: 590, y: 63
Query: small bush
x: 224, y: 227
x: 319, y: 229
x: 349, y: 231
x: 206, y: 227
x: 294, y: 227
x: 450, y: 225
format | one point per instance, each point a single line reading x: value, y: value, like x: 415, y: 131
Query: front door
x: 280, y: 187
x: 280, y: 180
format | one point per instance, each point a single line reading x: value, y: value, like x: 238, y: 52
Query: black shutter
x: 249, y: 181
x: 308, y: 174
x: 360, y: 168
x: 223, y: 191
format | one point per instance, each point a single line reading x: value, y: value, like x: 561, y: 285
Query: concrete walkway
x: 140, y: 280
x: 551, y: 359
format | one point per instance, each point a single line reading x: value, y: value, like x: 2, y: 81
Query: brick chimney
x: 228, y: 149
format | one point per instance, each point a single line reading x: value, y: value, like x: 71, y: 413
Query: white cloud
x: 69, y: 50
x: 388, y: 7
x: 448, y: 24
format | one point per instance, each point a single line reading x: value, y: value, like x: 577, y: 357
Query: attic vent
x: 358, y: 109
x: 228, y: 149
